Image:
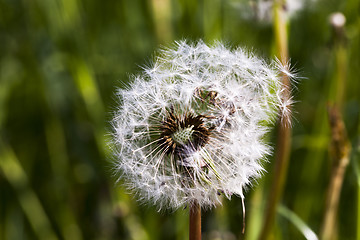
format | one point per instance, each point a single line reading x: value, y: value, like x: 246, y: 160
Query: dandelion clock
x: 189, y: 129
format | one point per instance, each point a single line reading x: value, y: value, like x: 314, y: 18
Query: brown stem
x: 195, y: 222
x: 340, y: 145
x: 340, y: 149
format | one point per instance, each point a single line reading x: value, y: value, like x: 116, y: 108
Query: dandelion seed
x: 192, y: 126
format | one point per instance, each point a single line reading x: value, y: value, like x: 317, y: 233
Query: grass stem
x: 284, y: 130
x: 340, y: 150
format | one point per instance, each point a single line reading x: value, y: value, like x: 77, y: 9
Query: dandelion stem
x: 284, y: 130
x: 195, y: 222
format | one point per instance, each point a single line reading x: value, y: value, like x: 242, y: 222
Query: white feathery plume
x: 191, y: 127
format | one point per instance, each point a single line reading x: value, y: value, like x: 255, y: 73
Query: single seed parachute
x: 190, y: 128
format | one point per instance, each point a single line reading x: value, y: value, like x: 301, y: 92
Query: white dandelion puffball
x: 190, y: 129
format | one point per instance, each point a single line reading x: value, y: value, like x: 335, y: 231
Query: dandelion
x: 190, y: 129
x: 261, y: 10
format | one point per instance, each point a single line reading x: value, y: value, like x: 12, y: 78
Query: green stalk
x: 358, y: 212
x: 356, y: 161
x: 297, y: 222
x: 161, y: 14
x: 30, y: 203
x: 195, y: 222
x: 340, y: 148
x: 284, y: 130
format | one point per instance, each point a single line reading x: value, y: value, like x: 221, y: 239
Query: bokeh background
x: 61, y: 62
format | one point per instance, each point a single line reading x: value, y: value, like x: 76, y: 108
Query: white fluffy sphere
x: 190, y: 128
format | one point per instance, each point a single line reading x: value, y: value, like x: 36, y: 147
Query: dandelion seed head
x: 191, y: 128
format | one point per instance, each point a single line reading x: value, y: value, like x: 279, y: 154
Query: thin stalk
x: 340, y: 149
x: 284, y: 130
x: 358, y: 214
x: 340, y: 145
x: 297, y: 222
x: 30, y: 203
x: 161, y: 13
x: 195, y: 222
x: 356, y: 162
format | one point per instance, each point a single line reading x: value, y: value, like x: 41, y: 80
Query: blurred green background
x: 61, y: 62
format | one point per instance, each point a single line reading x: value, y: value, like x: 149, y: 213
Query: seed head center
x: 183, y: 135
